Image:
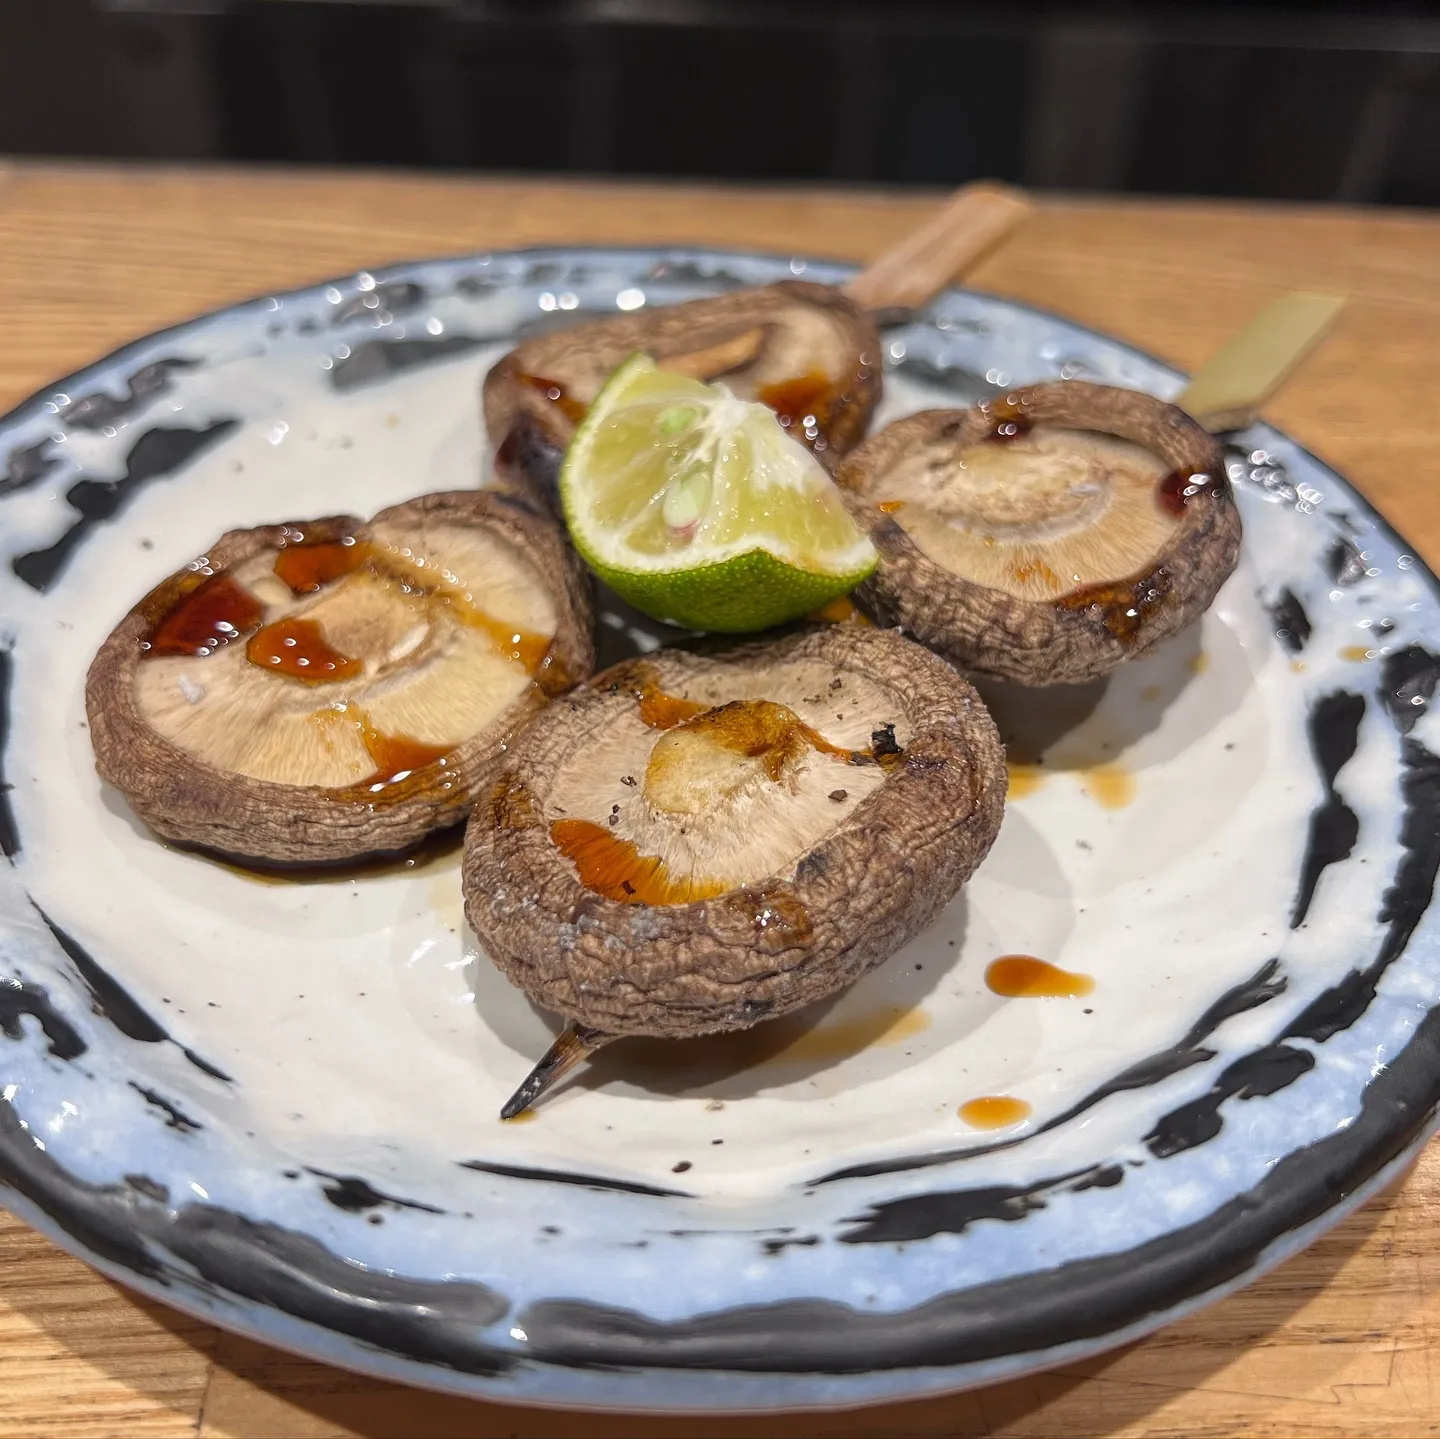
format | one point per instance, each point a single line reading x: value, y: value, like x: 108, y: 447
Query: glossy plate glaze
x: 274, y: 1104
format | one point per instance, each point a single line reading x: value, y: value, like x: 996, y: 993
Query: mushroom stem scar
x: 574, y: 1043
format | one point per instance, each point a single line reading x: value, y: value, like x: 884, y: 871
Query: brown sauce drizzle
x: 297, y: 648
x: 614, y: 868
x: 1178, y: 488
x: 839, y: 612
x: 1122, y: 607
x: 522, y: 646
x: 808, y: 397
x: 1022, y: 976
x: 558, y: 396
x: 307, y: 568
x: 659, y: 710
x: 780, y: 920
x: 1035, y: 569
x: 760, y: 729
x: 397, y: 756
x: 994, y: 1111
x: 1023, y: 779
x: 1008, y: 418
x: 210, y: 616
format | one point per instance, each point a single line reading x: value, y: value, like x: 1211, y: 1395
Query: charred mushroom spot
x: 883, y: 743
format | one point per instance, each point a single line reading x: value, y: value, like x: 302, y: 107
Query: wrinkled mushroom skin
x: 187, y: 800
x: 748, y: 339
x: 1074, y: 636
x: 870, y: 884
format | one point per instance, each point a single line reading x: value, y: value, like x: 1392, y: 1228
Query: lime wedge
x: 700, y: 510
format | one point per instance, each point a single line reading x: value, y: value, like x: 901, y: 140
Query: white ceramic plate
x: 274, y: 1104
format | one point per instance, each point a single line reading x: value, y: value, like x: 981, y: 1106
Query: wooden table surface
x: 1343, y: 1340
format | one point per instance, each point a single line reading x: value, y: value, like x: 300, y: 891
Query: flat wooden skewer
x: 1226, y: 392
x: 973, y: 222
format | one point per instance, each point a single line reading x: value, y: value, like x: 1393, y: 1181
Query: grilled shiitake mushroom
x: 334, y: 689
x: 694, y: 843
x: 1047, y: 537
x: 806, y: 350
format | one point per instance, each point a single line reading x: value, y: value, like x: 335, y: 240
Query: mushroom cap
x: 428, y: 635
x: 806, y: 350
x: 1046, y: 538
x: 694, y: 842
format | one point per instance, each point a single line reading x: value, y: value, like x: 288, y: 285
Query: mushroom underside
x: 693, y: 843
x: 805, y: 350
x: 327, y: 690
x: 1046, y: 540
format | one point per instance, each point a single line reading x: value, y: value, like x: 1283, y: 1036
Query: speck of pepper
x: 628, y: 779
x: 839, y: 795
x: 1087, y: 1011
x: 147, y: 544
x: 835, y: 684
x: 291, y: 1173
x: 1230, y: 746
x: 375, y: 1219
x: 921, y: 966
x: 681, y: 1167
x: 549, y: 1229
x: 717, y: 1141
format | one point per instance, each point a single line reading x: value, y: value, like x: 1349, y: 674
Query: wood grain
x: 1343, y: 1340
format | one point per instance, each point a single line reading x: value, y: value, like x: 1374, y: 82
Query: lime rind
x: 699, y: 509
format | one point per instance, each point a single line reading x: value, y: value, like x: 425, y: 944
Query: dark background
x: 1318, y: 102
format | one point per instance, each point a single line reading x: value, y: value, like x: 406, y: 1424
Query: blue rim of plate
x: 286, y: 1288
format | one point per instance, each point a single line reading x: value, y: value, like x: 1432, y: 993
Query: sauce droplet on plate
x: 1111, y: 786
x: 1022, y: 976
x: 1023, y: 779
x: 993, y: 1111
